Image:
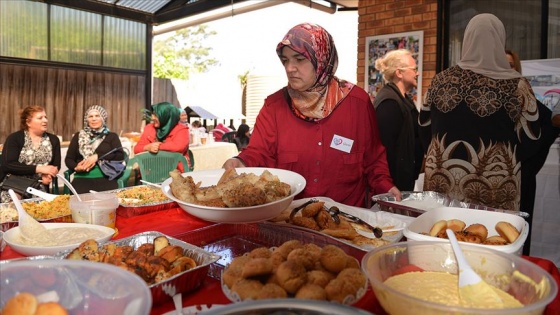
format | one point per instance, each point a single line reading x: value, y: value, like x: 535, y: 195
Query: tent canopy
x: 197, y: 111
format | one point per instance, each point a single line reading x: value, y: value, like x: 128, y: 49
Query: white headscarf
x: 484, y: 48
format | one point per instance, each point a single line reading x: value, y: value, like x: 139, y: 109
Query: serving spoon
x: 473, y: 290
x: 41, y: 194
x: 29, y: 228
x: 67, y: 183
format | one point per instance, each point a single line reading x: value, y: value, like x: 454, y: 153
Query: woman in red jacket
x: 319, y: 126
x: 164, y: 133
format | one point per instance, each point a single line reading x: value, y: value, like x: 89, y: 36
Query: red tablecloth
x: 175, y: 221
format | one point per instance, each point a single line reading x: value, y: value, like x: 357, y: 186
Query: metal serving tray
x: 180, y: 283
x: 128, y: 211
x: 387, y: 202
x: 233, y: 240
x: 4, y: 226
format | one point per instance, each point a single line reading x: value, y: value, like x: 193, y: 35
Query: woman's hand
x: 46, y: 179
x: 50, y: 170
x: 233, y: 163
x: 87, y: 164
x: 152, y: 147
x: 396, y: 192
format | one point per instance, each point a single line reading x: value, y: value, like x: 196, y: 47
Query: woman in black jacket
x: 398, y: 117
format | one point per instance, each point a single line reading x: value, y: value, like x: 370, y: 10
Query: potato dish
x: 297, y: 270
x: 154, y: 262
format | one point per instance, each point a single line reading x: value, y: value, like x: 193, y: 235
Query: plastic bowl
x: 95, y: 208
x: 493, y: 266
x: 238, y: 215
x: 82, y: 287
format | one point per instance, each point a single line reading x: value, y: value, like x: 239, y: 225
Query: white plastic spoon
x: 473, y: 290
x: 29, y: 228
x: 67, y: 183
x: 41, y: 194
x: 150, y: 184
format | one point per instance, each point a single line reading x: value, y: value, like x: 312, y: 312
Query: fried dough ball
x: 354, y: 277
x: 276, y: 259
x: 272, y: 291
x: 308, y: 223
x: 261, y: 252
x: 50, y: 308
x: 302, y: 257
x: 247, y: 288
x: 22, y: 304
x: 312, y: 209
x: 287, y: 247
x: 338, y: 289
x: 352, y: 262
x: 319, y: 277
x: 291, y: 276
x: 333, y: 258
x: 257, y: 267
x: 231, y: 276
x: 312, y: 292
x: 478, y: 229
x: 495, y: 240
x: 313, y: 249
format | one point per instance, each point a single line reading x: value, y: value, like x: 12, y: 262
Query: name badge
x: 341, y: 143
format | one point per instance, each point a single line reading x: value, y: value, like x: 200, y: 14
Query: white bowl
x: 12, y: 237
x: 424, y: 222
x: 238, y: 215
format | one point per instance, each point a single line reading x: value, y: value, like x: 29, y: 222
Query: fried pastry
x: 495, y: 240
x: 507, y: 231
x: 333, y: 258
x: 478, y: 229
x: 291, y: 276
x: 302, y: 257
x: 312, y: 292
x: 247, y: 288
x: 272, y: 291
x: 257, y: 267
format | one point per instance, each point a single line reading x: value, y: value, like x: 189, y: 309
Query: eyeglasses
x: 411, y: 68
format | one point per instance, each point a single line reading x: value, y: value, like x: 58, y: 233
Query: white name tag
x: 341, y: 143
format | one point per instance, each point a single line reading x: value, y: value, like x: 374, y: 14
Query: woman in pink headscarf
x: 319, y: 126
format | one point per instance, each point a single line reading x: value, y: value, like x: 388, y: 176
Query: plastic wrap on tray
x: 183, y: 282
x: 233, y: 240
x: 130, y: 210
x: 412, y: 204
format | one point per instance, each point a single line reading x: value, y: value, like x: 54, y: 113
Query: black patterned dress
x: 476, y: 129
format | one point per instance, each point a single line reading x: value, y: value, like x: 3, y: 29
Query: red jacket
x: 176, y: 141
x: 282, y: 140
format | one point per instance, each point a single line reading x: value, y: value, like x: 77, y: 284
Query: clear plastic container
x: 95, y: 208
x: 81, y: 287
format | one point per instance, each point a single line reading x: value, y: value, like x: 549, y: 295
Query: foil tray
x: 233, y: 240
x: 387, y: 202
x: 4, y: 226
x: 128, y: 211
x: 180, y: 283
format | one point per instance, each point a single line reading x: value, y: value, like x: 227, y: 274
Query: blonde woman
x: 397, y: 117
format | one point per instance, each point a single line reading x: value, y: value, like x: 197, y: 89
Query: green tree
x: 183, y: 53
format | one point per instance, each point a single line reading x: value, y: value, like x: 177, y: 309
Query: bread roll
x: 478, y: 229
x: 495, y: 240
x: 507, y: 231
x: 439, y: 226
x: 455, y: 225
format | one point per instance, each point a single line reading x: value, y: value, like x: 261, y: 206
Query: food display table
x: 212, y: 155
x: 177, y: 223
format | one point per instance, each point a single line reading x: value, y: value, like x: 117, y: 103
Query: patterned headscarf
x: 89, y: 139
x: 317, y: 45
x: 168, y: 116
x: 483, y: 49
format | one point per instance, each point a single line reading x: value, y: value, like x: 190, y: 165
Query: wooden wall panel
x: 65, y: 94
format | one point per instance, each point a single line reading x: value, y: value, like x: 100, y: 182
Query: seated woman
x: 165, y: 133
x: 87, y: 146
x: 242, y: 137
x: 31, y: 152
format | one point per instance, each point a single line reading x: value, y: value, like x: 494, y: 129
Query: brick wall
x: 380, y: 17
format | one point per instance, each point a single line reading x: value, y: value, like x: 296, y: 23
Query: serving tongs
x: 335, y: 212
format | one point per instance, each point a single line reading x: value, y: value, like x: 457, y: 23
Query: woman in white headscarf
x: 479, y: 121
x: 87, y: 146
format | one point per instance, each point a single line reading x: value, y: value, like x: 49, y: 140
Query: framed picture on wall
x: 378, y: 46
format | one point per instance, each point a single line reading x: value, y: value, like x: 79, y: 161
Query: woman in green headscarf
x: 165, y: 132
